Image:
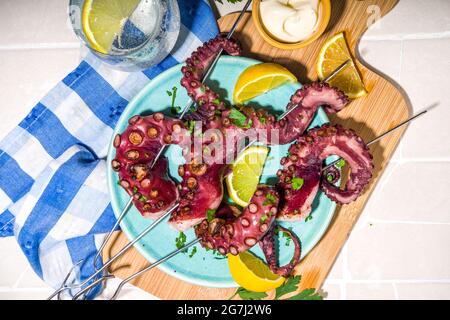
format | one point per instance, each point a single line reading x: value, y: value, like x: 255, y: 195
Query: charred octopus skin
x: 268, y: 246
x: 231, y: 234
x: 197, y: 190
x: 152, y: 190
x: 305, y: 162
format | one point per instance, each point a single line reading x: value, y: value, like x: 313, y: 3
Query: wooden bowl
x: 324, y: 18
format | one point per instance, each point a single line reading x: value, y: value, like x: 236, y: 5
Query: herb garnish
x: 290, y: 286
x: 270, y: 199
x: 297, y: 183
x: 340, y: 163
x: 239, y: 119
x: 135, y: 190
x: 180, y: 241
x: 174, y: 109
x: 309, y: 217
x: 211, y: 214
x: 143, y: 198
x: 193, y: 251
x: 330, y: 177
x: 191, y: 126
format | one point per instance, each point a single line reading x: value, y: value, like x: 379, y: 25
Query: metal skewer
x: 331, y: 76
x: 174, y: 253
x: 381, y: 136
x: 64, y: 285
x: 205, y: 76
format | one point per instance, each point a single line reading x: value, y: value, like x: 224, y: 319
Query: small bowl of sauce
x: 291, y: 24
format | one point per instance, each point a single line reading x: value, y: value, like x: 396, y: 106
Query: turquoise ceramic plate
x: 205, y: 268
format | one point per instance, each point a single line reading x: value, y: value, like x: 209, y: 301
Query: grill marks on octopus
x: 213, y: 141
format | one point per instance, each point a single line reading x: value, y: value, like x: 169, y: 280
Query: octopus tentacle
x: 208, y: 101
x: 152, y: 190
x: 335, y: 140
x: 237, y: 234
x: 306, y: 101
x: 305, y: 162
x: 267, y: 245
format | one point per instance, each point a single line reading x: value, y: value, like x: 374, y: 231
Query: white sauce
x: 289, y: 20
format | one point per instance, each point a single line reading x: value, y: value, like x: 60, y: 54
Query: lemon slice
x: 103, y: 20
x: 334, y: 53
x: 246, y: 170
x: 260, y: 78
x: 252, y: 273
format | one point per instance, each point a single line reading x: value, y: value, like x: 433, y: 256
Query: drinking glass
x: 146, y: 38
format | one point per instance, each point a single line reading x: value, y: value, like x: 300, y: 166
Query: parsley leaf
x: 238, y: 118
x: 249, y: 295
x: 180, y: 241
x: 309, y: 217
x: 270, y: 199
x: 289, y: 286
x: 307, y: 294
x: 340, y: 163
x: 211, y: 214
x: 194, y: 251
x: 174, y: 109
x: 297, y: 183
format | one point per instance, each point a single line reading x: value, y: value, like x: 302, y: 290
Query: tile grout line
x: 408, y: 36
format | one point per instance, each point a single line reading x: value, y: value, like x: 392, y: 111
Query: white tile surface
x: 401, y: 195
x: 399, y: 251
x: 27, y: 75
x: 399, y: 247
x: 374, y: 291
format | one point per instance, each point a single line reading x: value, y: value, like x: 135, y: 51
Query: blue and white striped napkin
x: 53, y: 192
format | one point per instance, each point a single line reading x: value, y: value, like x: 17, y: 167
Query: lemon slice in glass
x: 103, y: 21
x: 260, y: 78
x: 246, y: 170
x: 334, y: 53
x: 252, y: 273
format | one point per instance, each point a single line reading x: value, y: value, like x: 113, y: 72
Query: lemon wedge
x: 252, y: 273
x: 103, y: 21
x: 244, y: 177
x: 334, y: 53
x: 260, y: 78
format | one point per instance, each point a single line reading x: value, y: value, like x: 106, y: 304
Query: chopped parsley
x: 330, y: 177
x: 180, y: 241
x: 135, y: 190
x: 239, y: 119
x: 270, y: 199
x: 143, y: 198
x: 297, y: 183
x: 211, y: 214
x: 191, y: 126
x: 340, y: 163
x: 309, y: 217
x: 174, y: 109
x: 263, y: 219
x: 193, y: 252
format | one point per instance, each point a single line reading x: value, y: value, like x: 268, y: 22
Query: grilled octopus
x: 201, y: 188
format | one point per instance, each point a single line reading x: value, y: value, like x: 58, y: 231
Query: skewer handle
x: 151, y: 266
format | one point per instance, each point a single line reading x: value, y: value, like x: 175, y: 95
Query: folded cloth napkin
x: 53, y: 192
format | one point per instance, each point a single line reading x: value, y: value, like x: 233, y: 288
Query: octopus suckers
x: 250, y: 241
x: 135, y: 138
x: 253, y: 208
x: 152, y: 132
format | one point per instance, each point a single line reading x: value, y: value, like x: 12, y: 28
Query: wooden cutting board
x: 370, y: 116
